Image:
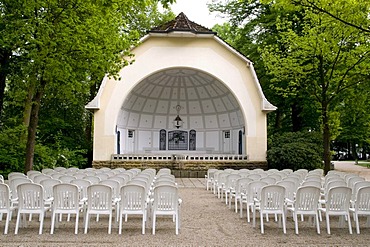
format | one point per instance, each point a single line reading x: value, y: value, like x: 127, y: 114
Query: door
x: 130, y: 147
x: 226, y: 141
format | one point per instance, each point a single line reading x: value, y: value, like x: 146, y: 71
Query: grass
x: 364, y: 164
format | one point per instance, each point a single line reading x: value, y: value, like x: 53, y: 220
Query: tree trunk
x: 296, y: 117
x: 32, y: 127
x: 326, y: 138
x: 354, y: 150
x: 4, y: 70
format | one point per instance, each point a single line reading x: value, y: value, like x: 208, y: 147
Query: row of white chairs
x: 302, y: 192
x: 104, y: 197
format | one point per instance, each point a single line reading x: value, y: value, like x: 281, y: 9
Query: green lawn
x: 364, y: 164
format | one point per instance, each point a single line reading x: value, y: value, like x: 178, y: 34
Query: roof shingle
x: 183, y: 24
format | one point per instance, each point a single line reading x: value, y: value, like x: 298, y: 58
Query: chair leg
x: 7, y: 222
x: 328, y: 224
x: 261, y: 220
x: 87, y: 222
x: 143, y: 226
x: 110, y: 223
x: 120, y: 224
x: 153, y: 226
x: 77, y: 217
x: 52, y: 222
x: 177, y: 224
x: 349, y: 224
x: 317, y: 223
x: 41, y: 222
x: 295, y: 222
x: 355, y: 216
x: 17, y: 223
x: 284, y: 222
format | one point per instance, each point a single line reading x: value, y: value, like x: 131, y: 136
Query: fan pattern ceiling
x: 205, y: 102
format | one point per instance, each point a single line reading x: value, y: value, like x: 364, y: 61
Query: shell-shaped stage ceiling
x: 205, y: 102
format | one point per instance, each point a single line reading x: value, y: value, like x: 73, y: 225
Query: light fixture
x: 178, y: 121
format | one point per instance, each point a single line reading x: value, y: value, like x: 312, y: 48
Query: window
x: 130, y: 134
x: 192, y: 140
x: 177, y: 140
x: 227, y: 134
x: 162, y: 139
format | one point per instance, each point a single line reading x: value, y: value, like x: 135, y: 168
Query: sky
x: 197, y: 11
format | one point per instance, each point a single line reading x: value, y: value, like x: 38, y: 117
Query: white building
x: 182, y: 69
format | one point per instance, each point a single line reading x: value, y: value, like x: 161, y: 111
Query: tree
x: 66, y: 46
x: 325, y: 60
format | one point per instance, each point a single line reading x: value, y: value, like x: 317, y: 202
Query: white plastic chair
x: 166, y: 202
x: 361, y: 206
x: 271, y: 202
x: 209, y: 177
x: 31, y: 201
x: 67, y: 178
x: 66, y: 200
x: 229, y: 186
x: 5, y: 205
x: 93, y: 179
x: 241, y: 188
x: 133, y: 202
x: 254, y: 191
x: 306, y: 203
x: 99, y: 201
x: 337, y: 202
x: 48, y: 185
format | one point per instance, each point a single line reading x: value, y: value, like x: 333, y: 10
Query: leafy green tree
x: 65, y: 49
x: 326, y: 59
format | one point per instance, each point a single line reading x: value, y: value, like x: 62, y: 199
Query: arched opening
x: 206, y: 107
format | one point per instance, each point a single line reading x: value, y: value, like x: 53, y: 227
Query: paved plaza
x: 205, y: 221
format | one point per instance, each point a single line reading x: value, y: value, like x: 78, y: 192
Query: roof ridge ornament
x: 182, y: 24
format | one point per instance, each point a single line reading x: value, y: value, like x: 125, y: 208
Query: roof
x: 181, y: 23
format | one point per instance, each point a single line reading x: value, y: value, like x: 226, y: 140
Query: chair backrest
x: 311, y: 183
x: 133, y: 197
x: 48, y: 185
x: 307, y: 198
x: 351, y: 181
x: 125, y: 175
x: 231, y: 180
x: 115, y: 185
x: 14, y: 183
x: 66, y: 196
x: 60, y: 169
x: 357, y: 186
x: 254, y: 177
x: 120, y: 180
x: 67, y: 178
x: 4, y: 198
x: 32, y: 173
x: 102, y: 176
x: 82, y: 184
x: 335, y: 183
x: 93, y: 179
x: 222, y: 178
x: 338, y: 198
x: 15, y: 175
x: 165, y: 198
x: 272, y: 197
x: 99, y: 198
x: 290, y: 188
x: 30, y: 196
x: 362, y: 202
x: 269, y: 180
x: 241, y: 185
x: 211, y: 173
x: 254, y: 190
x: 37, y: 179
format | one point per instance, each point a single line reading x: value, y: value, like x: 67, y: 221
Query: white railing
x: 179, y: 157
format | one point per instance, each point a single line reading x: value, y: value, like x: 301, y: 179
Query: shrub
x: 295, y: 150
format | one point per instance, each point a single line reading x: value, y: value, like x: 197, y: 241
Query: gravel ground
x: 205, y: 221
